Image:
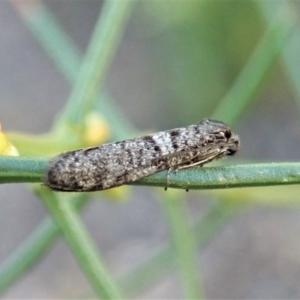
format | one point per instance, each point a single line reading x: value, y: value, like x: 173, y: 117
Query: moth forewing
x: 207, y: 157
x: 114, y: 164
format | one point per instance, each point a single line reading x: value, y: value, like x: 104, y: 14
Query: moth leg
x: 201, y: 163
x: 209, y: 157
x: 168, y: 177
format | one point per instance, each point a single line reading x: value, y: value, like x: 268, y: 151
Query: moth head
x: 222, y: 137
x: 233, y: 145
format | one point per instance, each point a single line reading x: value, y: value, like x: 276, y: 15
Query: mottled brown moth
x: 114, y: 164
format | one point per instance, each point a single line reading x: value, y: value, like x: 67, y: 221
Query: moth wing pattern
x: 114, y: 164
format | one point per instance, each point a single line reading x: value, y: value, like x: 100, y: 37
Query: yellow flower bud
x: 6, y: 148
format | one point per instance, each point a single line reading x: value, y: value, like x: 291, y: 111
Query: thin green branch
x: 154, y: 267
x: 194, y: 176
x: 66, y: 57
x: 185, y: 251
x: 160, y: 263
x: 286, y: 10
x: 81, y: 244
x: 22, y: 169
x: 103, y: 44
x: 102, y: 47
x: 114, y: 14
x: 34, y: 247
x: 249, y: 175
x: 253, y: 74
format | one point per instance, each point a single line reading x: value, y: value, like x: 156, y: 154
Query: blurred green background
x: 177, y: 62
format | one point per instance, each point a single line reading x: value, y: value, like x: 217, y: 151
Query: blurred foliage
x: 197, y: 51
x: 200, y: 47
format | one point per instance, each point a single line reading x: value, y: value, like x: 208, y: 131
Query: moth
x: 111, y: 165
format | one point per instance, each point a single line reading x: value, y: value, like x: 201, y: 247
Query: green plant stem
x: 256, y: 69
x: 102, y: 47
x: 35, y: 245
x: 45, y: 28
x: 114, y: 15
x: 20, y: 169
x: 228, y: 176
x: 160, y: 263
x: 291, y: 51
x: 155, y: 267
x: 164, y: 179
x: 81, y: 245
x: 185, y: 252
